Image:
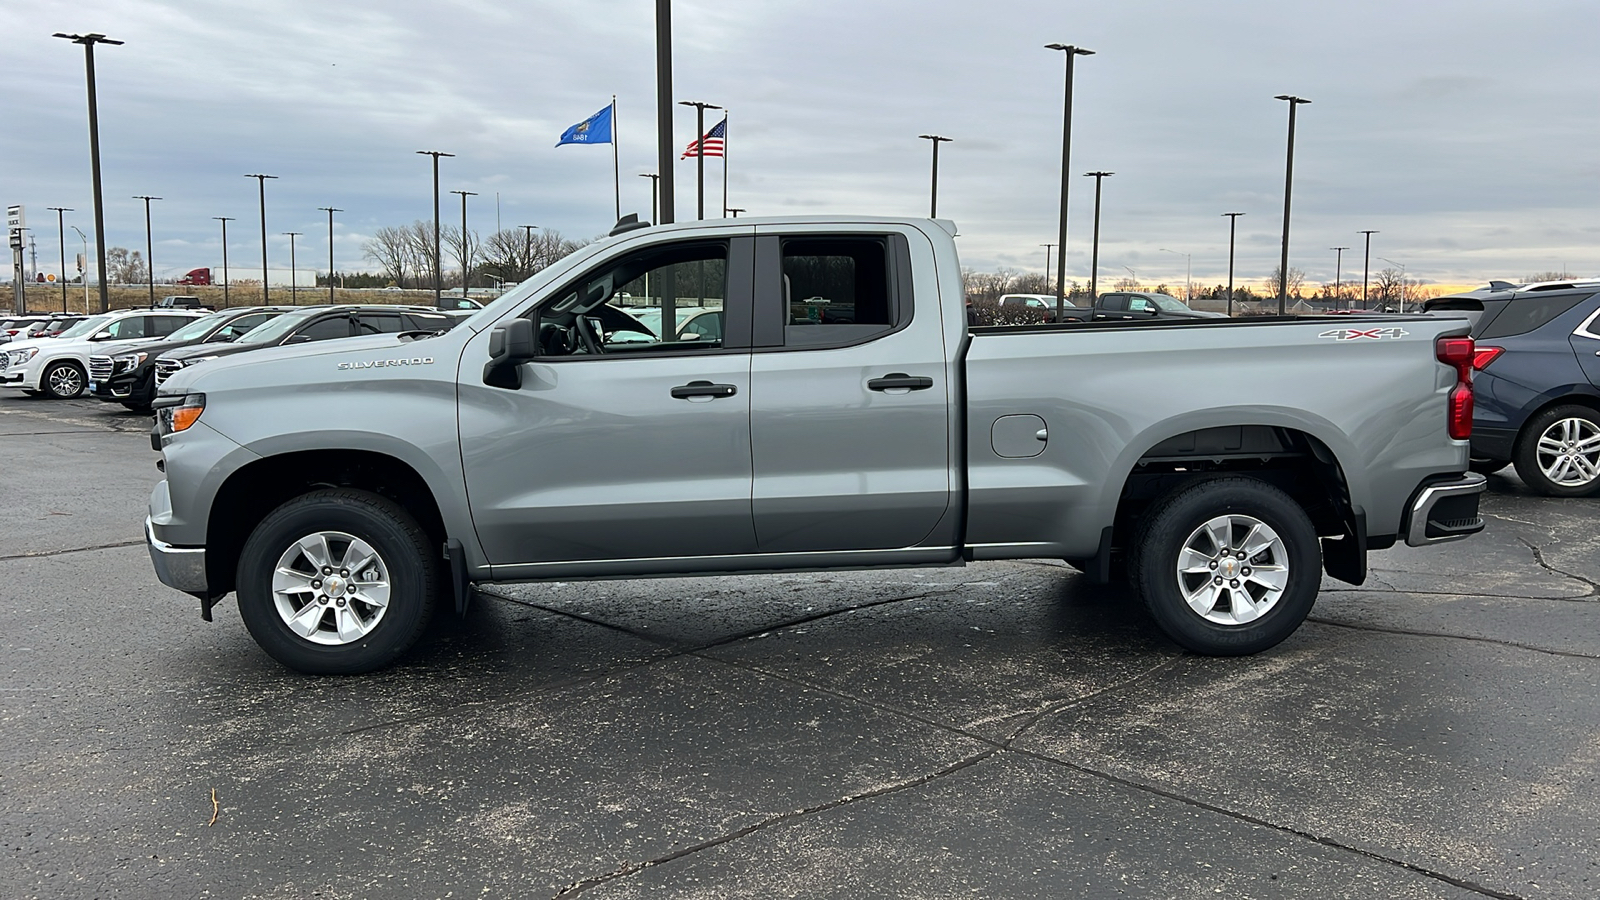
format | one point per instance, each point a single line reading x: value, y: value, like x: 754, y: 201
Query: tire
x: 1260, y: 611
x: 1558, y: 453
x: 328, y: 623
x: 63, y: 381
x: 1487, y: 466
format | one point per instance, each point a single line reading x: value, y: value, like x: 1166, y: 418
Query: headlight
x: 177, y: 415
x: 199, y: 359
x: 129, y: 362
x: 18, y: 357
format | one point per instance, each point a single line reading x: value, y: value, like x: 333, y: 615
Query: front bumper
x: 1444, y: 510
x: 183, y: 568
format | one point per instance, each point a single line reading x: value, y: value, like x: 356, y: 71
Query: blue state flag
x: 594, y: 130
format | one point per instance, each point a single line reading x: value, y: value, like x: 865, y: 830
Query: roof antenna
x: 629, y: 222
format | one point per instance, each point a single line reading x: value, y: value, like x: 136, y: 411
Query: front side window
x: 624, y: 308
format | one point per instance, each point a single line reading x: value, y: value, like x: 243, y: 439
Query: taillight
x: 1460, y: 354
x: 1482, y: 356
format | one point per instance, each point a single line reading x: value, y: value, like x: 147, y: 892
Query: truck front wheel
x: 1227, y: 566
x: 337, y: 582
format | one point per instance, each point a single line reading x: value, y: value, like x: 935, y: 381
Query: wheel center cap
x: 334, y: 585
x: 1230, y: 567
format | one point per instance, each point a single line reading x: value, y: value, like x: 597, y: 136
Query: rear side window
x: 837, y: 289
x: 1524, y: 314
x: 131, y: 327
x: 427, y: 322
x: 326, y: 329
x: 380, y: 323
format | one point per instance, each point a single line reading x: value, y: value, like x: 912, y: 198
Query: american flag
x: 711, y: 144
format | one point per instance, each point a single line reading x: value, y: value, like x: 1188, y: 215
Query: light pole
x: 655, y: 188
x: 1402, y: 280
x: 330, y: 210
x: 83, y: 274
x: 1094, y: 256
x: 1188, y: 282
x: 1047, y: 249
x: 527, y: 245
x: 1288, y: 188
x: 933, y: 208
x: 1135, y: 276
x: 437, y: 262
x: 735, y: 210
x: 1338, y: 270
x: 88, y: 41
x: 1233, y: 221
x: 664, y: 110
x: 1072, y: 53
x: 261, y: 181
x: 1366, y: 263
x: 466, y: 244
x: 149, y: 248
x: 700, y: 157
x: 224, y: 220
x: 294, y: 296
x: 61, y: 236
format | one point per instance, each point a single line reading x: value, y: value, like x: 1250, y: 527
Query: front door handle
x: 900, y: 381
x: 703, y: 390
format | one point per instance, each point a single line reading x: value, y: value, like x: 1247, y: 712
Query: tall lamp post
x: 1047, y: 249
x: 88, y: 41
x: 655, y: 189
x: 330, y: 210
x: 735, y: 210
x: 933, y: 208
x: 669, y: 203
x: 1402, y: 280
x: 1072, y: 53
x: 1233, y: 221
x: 466, y: 244
x: 294, y: 295
x: 1188, y: 282
x: 700, y: 158
x: 527, y: 245
x: 82, y: 274
x: 61, y: 237
x: 1288, y: 189
x: 149, y: 248
x: 1338, y: 270
x: 438, y: 276
x: 1094, y: 255
x: 224, y: 220
x: 1133, y: 275
x: 261, y: 181
x: 1366, y: 264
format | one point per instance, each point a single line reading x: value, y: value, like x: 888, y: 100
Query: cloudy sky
x: 1466, y: 132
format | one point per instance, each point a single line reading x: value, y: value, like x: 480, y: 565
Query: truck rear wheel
x: 1227, y: 566
x: 337, y: 582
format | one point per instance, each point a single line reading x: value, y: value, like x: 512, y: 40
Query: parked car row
x: 21, y: 328
x: 124, y: 355
x: 1114, y: 305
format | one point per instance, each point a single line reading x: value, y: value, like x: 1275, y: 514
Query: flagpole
x: 616, y: 178
x: 724, y: 164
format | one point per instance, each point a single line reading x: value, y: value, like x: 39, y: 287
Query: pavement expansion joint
x: 1582, y: 598
x: 1406, y: 632
x: 1538, y: 557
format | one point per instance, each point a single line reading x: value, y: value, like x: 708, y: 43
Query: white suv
x: 58, y: 367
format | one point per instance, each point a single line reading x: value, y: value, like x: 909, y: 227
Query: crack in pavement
x: 36, y: 554
x: 1538, y: 557
x: 1457, y: 637
x: 1582, y: 598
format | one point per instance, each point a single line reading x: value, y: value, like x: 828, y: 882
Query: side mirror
x: 510, y: 345
x: 297, y: 339
x: 101, y: 336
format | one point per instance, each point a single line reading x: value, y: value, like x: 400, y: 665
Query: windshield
x: 277, y: 328
x: 1170, y: 304
x: 86, y: 327
x: 199, y: 328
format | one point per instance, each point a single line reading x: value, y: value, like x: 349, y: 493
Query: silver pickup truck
x: 345, y: 489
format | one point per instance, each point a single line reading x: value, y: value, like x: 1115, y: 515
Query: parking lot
x: 1002, y: 730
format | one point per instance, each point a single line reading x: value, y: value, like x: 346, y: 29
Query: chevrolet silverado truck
x: 344, y: 489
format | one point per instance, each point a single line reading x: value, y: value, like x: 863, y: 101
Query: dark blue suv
x: 1537, y: 381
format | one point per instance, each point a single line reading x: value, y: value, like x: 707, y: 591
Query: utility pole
x: 664, y: 109
x: 466, y: 244
x: 700, y: 154
x: 438, y: 276
x: 1072, y: 53
x: 149, y: 249
x: 1338, y: 267
x: 1233, y: 221
x: 88, y: 41
x: 527, y: 245
x: 735, y: 210
x: 933, y: 209
x: 1366, y: 263
x: 1288, y: 189
x: 330, y: 210
x: 294, y: 296
x: 261, y: 180
x: 224, y: 220
x: 1047, y: 249
x: 61, y: 236
x: 1094, y: 256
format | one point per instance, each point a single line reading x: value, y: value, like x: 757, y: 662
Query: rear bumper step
x: 1445, y: 510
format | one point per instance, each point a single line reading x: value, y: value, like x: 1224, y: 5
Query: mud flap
x: 1345, y: 557
x: 460, y: 584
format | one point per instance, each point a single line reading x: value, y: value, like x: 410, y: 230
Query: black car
x: 1536, y: 383
x: 315, y: 323
x: 128, y: 377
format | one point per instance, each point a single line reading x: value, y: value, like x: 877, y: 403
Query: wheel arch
x: 252, y: 491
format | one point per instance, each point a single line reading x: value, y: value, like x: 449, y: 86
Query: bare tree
x: 464, y: 246
x: 1549, y: 276
x: 391, y: 250
x: 513, y: 255
x: 1297, y: 281
x: 1388, y: 285
x: 1125, y: 283
x: 124, y: 266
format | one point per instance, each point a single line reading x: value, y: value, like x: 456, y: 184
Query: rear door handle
x: 900, y: 381
x: 703, y: 390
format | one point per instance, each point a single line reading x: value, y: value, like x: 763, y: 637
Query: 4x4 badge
x: 1355, y: 334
